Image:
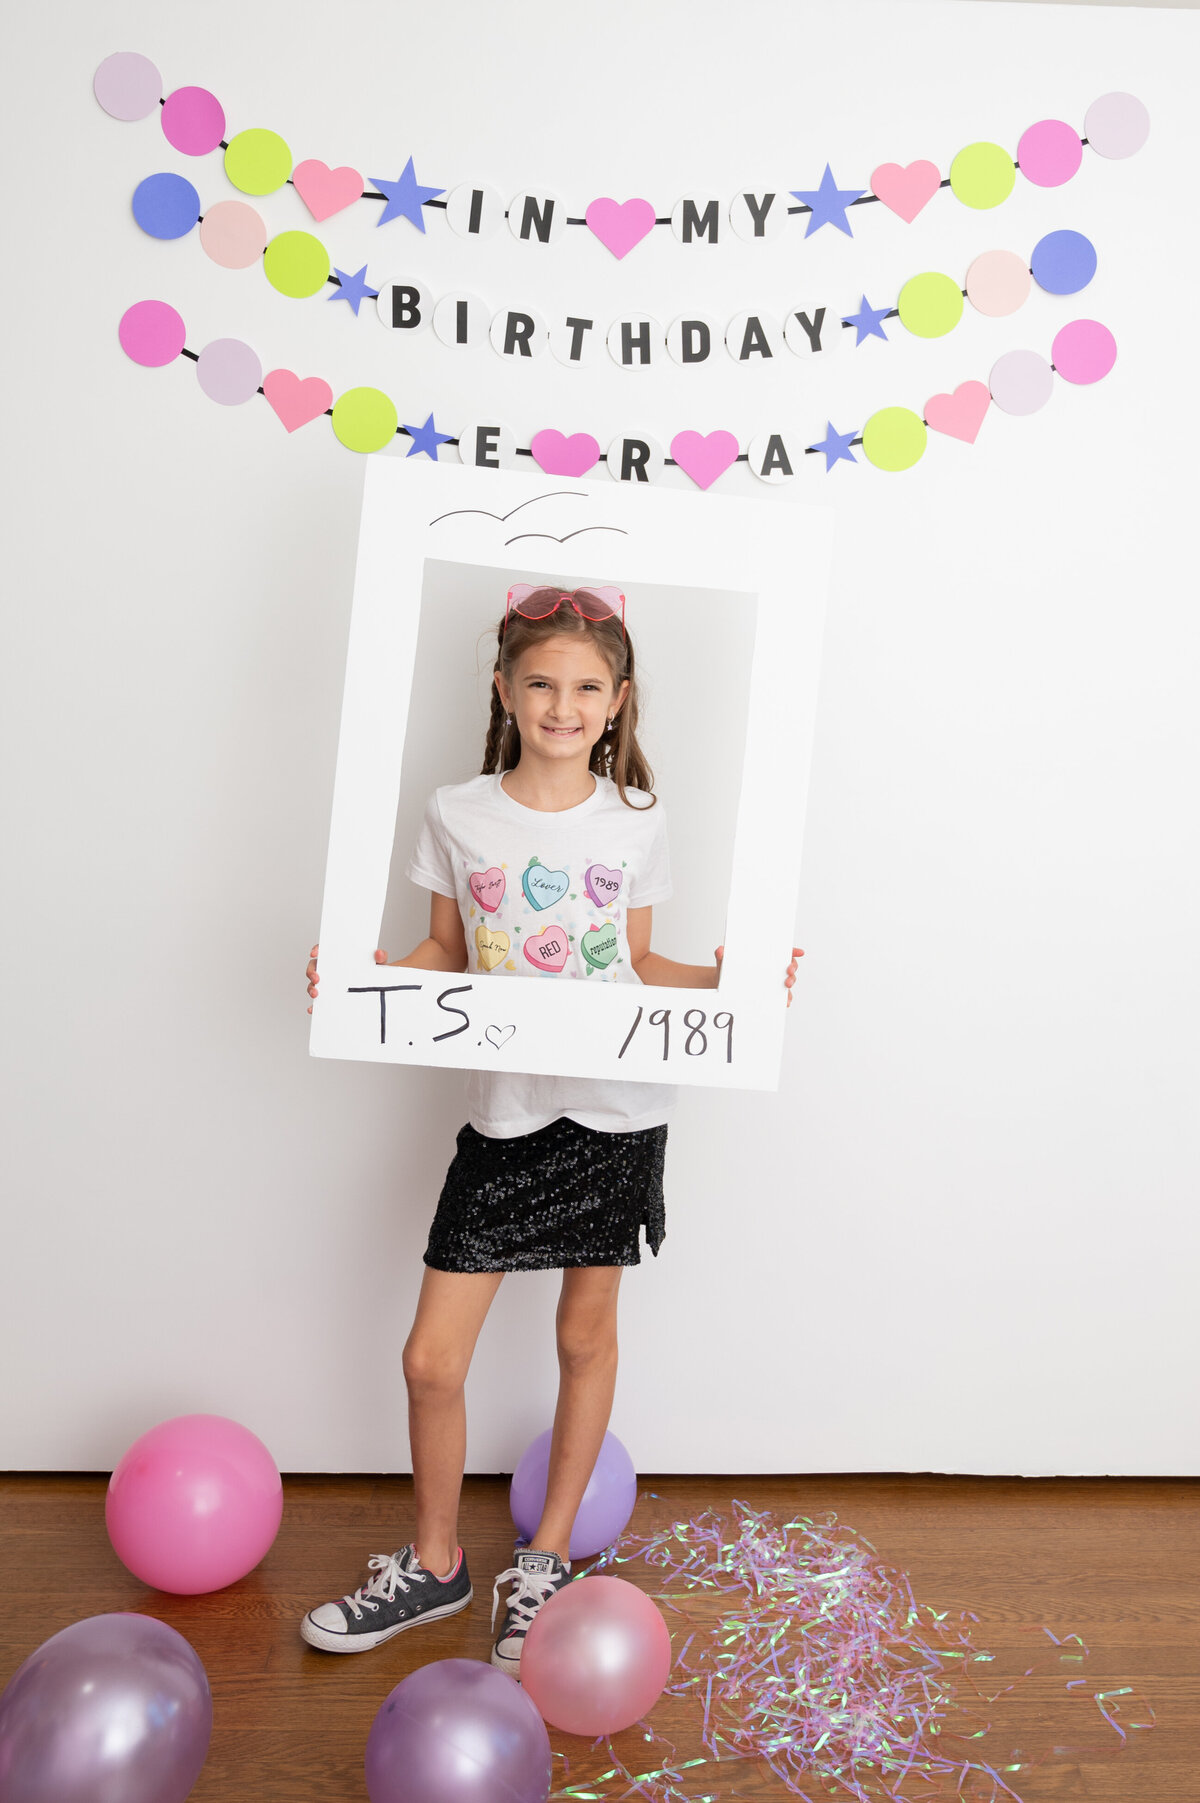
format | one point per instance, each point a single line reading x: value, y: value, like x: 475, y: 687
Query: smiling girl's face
x: 561, y: 697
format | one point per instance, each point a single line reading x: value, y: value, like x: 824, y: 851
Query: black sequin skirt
x: 561, y: 1196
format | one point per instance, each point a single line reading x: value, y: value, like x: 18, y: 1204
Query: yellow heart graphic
x: 510, y: 965
x: 491, y: 946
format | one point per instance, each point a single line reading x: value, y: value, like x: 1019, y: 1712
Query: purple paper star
x: 427, y: 438
x: 828, y: 203
x: 406, y: 195
x: 867, y: 322
x: 353, y: 288
x: 835, y: 445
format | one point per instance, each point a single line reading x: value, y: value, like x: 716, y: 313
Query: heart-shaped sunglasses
x: 589, y: 603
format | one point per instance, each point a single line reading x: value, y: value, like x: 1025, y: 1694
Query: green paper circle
x: 364, y: 419
x: 982, y: 175
x: 257, y: 161
x: 894, y: 438
x: 296, y: 263
x: 930, y: 305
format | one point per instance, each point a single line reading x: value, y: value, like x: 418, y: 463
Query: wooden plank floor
x: 1114, y: 1560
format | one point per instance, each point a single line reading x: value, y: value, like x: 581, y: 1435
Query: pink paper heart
x: 704, y: 458
x: 296, y: 401
x: 561, y: 456
x: 905, y: 189
x: 323, y: 190
x: 620, y: 224
x: 487, y: 886
x: 548, y: 950
x: 960, y: 414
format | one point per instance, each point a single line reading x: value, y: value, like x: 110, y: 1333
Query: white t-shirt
x: 545, y: 895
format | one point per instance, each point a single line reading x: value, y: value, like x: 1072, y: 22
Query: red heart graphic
x: 561, y: 456
x: 960, y: 414
x: 323, y: 190
x: 296, y: 401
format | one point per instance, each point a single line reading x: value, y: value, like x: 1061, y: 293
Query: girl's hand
x: 789, y: 978
x: 314, y: 979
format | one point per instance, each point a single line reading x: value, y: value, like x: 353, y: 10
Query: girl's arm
x: 656, y: 970
x: 446, y: 946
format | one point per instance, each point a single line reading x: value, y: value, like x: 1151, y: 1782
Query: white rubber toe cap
x: 329, y: 1617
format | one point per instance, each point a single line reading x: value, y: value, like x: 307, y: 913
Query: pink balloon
x: 596, y: 1656
x: 194, y: 1504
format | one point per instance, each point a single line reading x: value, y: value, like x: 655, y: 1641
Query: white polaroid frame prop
x: 728, y: 1037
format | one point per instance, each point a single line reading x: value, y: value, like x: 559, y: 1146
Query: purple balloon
x: 113, y: 1709
x: 458, y: 1731
x: 607, y: 1502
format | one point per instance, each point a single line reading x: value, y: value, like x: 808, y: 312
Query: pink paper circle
x: 1020, y: 382
x: 228, y: 371
x: 127, y: 85
x: 998, y: 282
x: 193, y: 120
x: 152, y: 333
x: 1049, y: 153
x: 1083, y: 351
x: 233, y: 234
x: 1116, y: 125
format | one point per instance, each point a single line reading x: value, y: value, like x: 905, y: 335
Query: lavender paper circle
x: 127, y: 85
x: 228, y: 371
x: 1020, y: 382
x: 193, y: 120
x: 1049, y: 153
x: 233, y: 234
x: 1116, y: 125
x: 1083, y: 351
x: 152, y: 333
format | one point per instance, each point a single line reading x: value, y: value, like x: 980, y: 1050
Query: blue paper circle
x: 166, y: 206
x: 1063, y: 262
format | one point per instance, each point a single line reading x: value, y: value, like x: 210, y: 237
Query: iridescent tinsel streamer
x: 813, y: 1659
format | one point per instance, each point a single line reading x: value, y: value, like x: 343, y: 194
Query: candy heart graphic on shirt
x: 487, y: 886
x: 599, y: 945
x: 498, y: 1036
x: 543, y: 887
x: 602, y: 884
x: 493, y: 947
x: 548, y: 950
x: 323, y: 190
x: 905, y: 189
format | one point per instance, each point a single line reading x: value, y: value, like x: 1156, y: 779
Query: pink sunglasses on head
x: 589, y: 603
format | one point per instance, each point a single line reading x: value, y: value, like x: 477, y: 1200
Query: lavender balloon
x: 113, y: 1709
x: 458, y: 1731
x: 607, y: 1502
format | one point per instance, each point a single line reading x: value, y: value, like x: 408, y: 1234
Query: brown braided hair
x: 616, y: 753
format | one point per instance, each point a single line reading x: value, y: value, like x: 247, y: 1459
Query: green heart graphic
x: 599, y: 946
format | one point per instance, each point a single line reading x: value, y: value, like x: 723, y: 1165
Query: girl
x: 561, y: 826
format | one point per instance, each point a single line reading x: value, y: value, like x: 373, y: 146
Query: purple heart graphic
x: 602, y: 884
x: 561, y: 456
x: 704, y: 458
x: 620, y: 224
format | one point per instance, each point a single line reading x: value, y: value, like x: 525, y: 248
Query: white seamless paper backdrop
x: 962, y: 1236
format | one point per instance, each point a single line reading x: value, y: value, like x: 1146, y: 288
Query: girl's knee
x: 428, y: 1368
x: 585, y: 1344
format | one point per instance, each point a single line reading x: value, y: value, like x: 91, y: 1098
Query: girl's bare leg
x: 587, y: 1362
x: 451, y: 1309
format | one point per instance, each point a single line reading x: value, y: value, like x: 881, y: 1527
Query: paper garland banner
x: 297, y: 264
x: 365, y: 419
x: 981, y: 175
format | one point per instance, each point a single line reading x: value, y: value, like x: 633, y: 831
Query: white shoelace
x: 535, y: 1587
x: 389, y: 1577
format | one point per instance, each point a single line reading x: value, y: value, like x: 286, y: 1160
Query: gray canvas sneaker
x: 401, y: 1593
x: 537, y: 1575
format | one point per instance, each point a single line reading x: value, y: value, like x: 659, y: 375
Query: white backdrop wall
x: 962, y: 1234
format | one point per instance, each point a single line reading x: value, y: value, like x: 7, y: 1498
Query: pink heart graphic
x: 296, y: 401
x: 620, y: 224
x: 561, y: 456
x: 323, y: 190
x: 548, y: 950
x: 905, y: 189
x: 703, y: 459
x: 487, y: 886
x: 960, y: 414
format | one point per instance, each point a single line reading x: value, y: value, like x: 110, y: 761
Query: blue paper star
x: 405, y: 196
x: 835, y: 445
x: 867, y: 321
x: 427, y: 438
x: 353, y: 288
x: 828, y: 203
